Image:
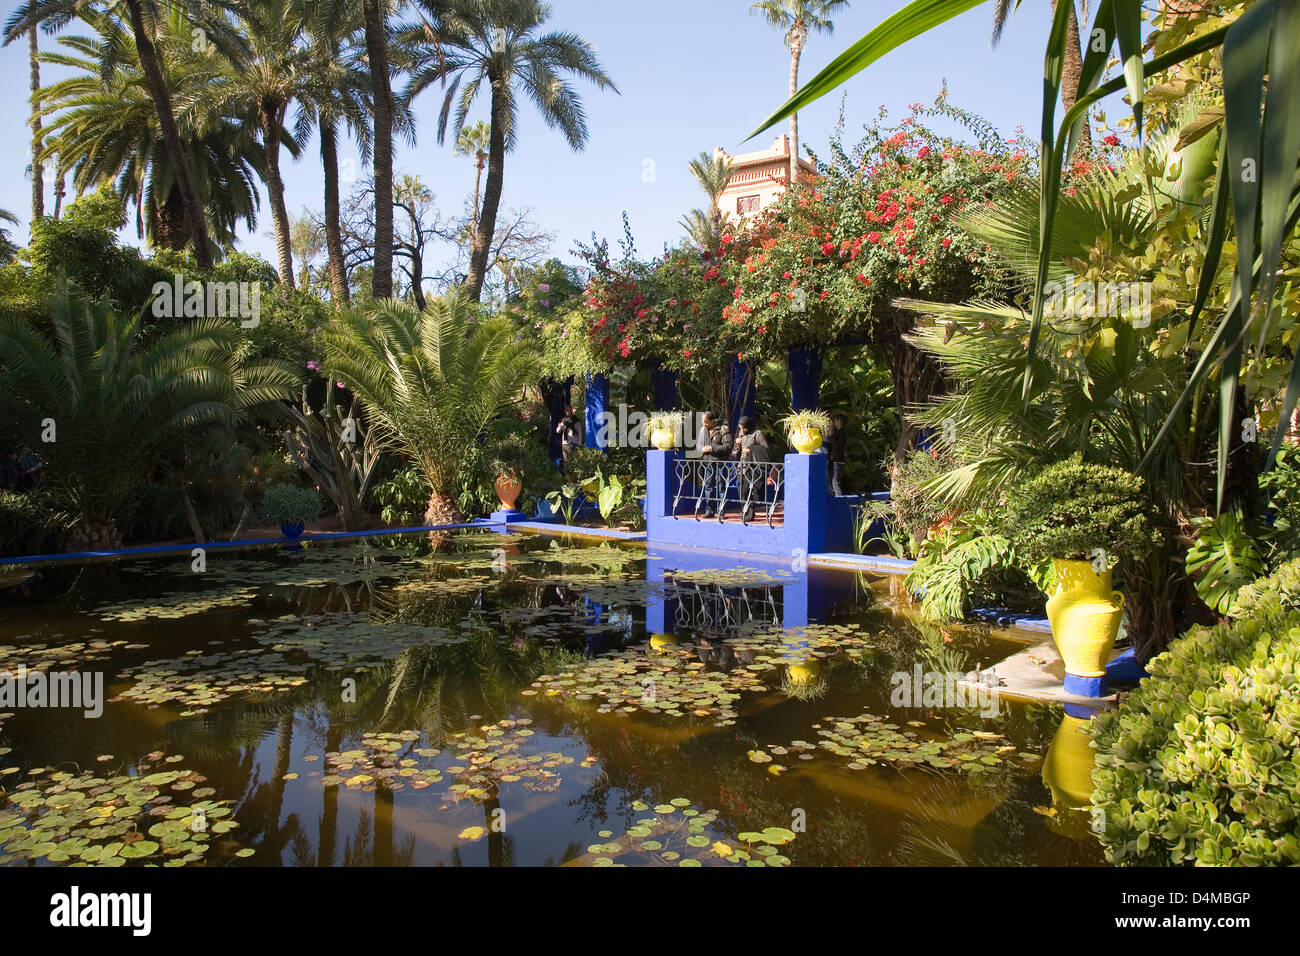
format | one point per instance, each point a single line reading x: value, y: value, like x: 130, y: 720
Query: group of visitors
x: 749, y: 447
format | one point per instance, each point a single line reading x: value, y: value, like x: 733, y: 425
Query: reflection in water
x: 643, y: 679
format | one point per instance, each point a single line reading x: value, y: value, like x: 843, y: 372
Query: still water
x: 516, y: 701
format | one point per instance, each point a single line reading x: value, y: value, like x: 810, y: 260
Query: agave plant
x: 430, y: 382
x: 101, y: 412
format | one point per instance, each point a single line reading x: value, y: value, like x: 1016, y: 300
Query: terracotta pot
x: 507, y: 490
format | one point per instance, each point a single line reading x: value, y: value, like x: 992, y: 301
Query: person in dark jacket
x: 570, y: 431
x: 752, y: 451
x: 716, y: 448
x: 835, y: 447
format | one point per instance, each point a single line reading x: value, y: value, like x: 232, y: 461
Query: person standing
x: 570, y: 431
x: 752, y: 451
x: 835, y: 453
x: 715, y: 451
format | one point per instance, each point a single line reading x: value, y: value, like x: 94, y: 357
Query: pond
x: 516, y: 700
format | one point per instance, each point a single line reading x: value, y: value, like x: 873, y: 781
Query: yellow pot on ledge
x: 806, y: 440
x: 663, y: 439
x: 1085, y: 615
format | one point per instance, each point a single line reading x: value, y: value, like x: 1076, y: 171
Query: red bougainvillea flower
x: 946, y: 243
x: 1111, y: 140
x: 687, y: 353
x: 828, y: 248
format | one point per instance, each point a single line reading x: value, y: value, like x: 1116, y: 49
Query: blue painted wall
x: 805, y: 379
x: 597, y: 402
x: 814, y: 522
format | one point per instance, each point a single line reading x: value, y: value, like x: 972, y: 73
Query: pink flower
x: 313, y: 366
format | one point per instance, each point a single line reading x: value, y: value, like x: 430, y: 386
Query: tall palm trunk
x: 177, y: 154
x: 329, y: 155
x: 481, y: 246
x: 171, y: 227
x: 479, y: 161
x: 798, y: 37
x: 1071, y: 74
x: 34, y: 75
x: 270, y: 112
x: 381, y: 284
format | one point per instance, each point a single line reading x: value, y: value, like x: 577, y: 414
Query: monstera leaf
x: 1223, y: 560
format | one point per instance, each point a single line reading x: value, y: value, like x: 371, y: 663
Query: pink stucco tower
x: 757, y: 179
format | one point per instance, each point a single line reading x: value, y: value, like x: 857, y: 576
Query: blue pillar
x: 665, y: 385
x: 659, y: 470
x: 806, y: 500
x: 805, y: 378
x: 742, y: 391
x: 597, y: 405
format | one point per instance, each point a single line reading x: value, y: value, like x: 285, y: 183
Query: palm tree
x: 375, y: 15
x: 429, y: 381
x: 144, y: 16
x: 275, y: 68
x: 105, y: 127
x: 1071, y: 64
x: 7, y: 248
x: 473, y: 141
x: 473, y: 45
x: 101, y: 410
x: 713, y: 173
x: 34, y: 82
x: 345, y: 99
x: 797, y: 18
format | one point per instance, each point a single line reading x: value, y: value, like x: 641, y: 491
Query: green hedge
x: 1201, y: 765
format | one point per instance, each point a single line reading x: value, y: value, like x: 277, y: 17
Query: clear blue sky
x: 693, y: 74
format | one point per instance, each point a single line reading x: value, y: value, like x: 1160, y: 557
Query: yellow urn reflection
x: 1085, y: 615
x: 661, y: 642
x: 1067, y: 773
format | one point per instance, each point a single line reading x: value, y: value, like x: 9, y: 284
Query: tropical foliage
x: 87, y: 393
x: 429, y: 381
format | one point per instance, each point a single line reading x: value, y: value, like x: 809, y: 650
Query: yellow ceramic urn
x: 806, y: 440
x: 662, y: 438
x: 1085, y: 615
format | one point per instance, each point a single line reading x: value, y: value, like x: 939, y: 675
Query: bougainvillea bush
x: 880, y: 220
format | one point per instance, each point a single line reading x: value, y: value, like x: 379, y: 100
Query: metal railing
x: 710, y: 607
x: 711, y: 489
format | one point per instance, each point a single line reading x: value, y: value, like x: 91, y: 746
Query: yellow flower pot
x: 806, y: 440
x: 1085, y: 615
x: 663, y: 439
x: 1067, y: 772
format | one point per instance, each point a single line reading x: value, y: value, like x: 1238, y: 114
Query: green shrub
x: 29, y: 520
x: 291, y: 504
x: 1201, y: 765
x: 1279, y: 591
x: 403, y: 497
x: 1070, y: 509
x: 915, y: 510
x: 586, y: 463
